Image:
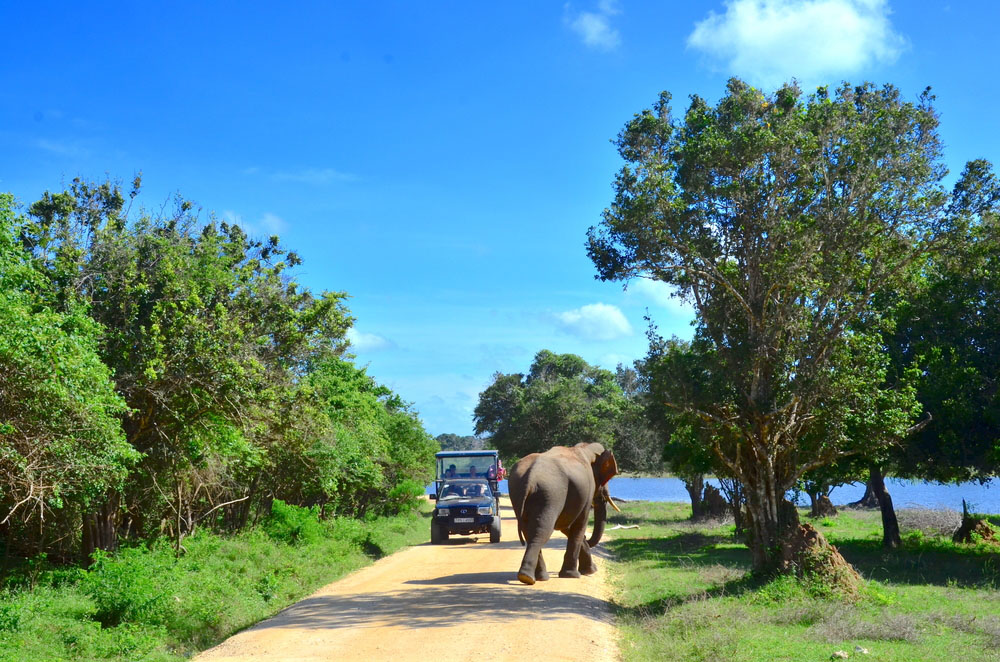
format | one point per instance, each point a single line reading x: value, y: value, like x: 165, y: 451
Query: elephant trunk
x: 601, y: 497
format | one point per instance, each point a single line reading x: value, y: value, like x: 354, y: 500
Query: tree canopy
x: 562, y: 401
x: 161, y: 371
x: 780, y: 218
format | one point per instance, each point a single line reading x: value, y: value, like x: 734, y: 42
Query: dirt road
x: 455, y: 601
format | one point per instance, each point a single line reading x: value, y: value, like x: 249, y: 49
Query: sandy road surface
x: 455, y: 601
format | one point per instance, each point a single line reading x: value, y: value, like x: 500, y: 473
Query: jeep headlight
x: 485, y: 510
x: 441, y: 512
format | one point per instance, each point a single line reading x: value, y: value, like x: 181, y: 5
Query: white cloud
x: 595, y: 321
x: 368, y: 342
x: 771, y: 41
x: 595, y: 27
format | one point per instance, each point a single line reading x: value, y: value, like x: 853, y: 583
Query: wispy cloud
x: 268, y: 224
x: 660, y: 294
x: 594, y: 27
x: 595, y: 321
x: 772, y: 41
x: 60, y: 148
x: 314, y: 176
x: 368, y: 342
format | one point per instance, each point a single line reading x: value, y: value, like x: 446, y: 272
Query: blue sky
x: 441, y: 162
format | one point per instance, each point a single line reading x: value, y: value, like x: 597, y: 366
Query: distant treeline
x: 160, y: 373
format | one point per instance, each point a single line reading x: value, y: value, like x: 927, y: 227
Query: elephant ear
x: 605, y: 467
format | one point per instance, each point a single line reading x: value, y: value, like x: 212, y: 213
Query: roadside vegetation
x: 685, y: 591
x: 186, y: 445
x: 144, y: 603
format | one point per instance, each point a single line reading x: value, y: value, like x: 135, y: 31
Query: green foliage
x: 683, y: 592
x: 292, y: 525
x: 950, y: 329
x: 167, y: 370
x: 132, y: 586
x: 454, y: 442
x: 220, y: 586
x: 781, y: 218
x: 61, y: 443
x: 562, y: 401
x: 375, y: 443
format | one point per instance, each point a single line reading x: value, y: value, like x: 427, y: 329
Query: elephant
x: 555, y: 490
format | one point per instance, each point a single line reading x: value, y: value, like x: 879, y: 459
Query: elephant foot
x: 526, y: 578
x: 574, y: 574
x: 542, y: 575
x: 588, y: 571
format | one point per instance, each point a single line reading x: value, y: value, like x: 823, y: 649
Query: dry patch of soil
x: 460, y: 600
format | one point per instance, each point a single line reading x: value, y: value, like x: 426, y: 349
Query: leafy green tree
x: 377, y: 451
x: 674, y: 371
x: 562, y: 401
x: 950, y: 329
x: 780, y: 218
x: 61, y: 445
x: 454, y: 442
x: 638, y: 446
x: 203, y: 327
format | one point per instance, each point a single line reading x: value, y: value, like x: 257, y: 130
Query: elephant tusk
x: 607, y: 497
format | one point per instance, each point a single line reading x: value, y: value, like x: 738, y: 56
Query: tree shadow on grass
x: 934, y: 561
x: 683, y: 549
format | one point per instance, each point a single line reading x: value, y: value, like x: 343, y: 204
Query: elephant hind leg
x: 533, y: 565
x: 536, y: 532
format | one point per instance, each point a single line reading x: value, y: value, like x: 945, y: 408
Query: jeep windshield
x: 464, y: 489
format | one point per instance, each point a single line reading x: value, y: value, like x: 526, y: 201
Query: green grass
x: 142, y: 604
x: 684, y: 593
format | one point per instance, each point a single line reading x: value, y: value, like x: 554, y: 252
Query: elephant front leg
x: 587, y: 565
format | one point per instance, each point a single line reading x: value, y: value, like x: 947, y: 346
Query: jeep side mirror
x: 432, y: 496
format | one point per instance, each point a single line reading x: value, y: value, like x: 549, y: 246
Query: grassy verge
x: 142, y: 604
x: 684, y: 594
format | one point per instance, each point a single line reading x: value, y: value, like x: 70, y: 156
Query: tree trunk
x: 869, y: 499
x: 769, y: 517
x: 100, y: 529
x: 890, y: 526
x: 733, y: 490
x: 695, y: 486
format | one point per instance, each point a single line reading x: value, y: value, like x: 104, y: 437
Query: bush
x: 930, y: 521
x: 132, y: 586
x: 10, y: 613
x: 293, y: 525
x: 404, y: 497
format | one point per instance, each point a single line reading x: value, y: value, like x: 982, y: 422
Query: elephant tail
x: 520, y: 512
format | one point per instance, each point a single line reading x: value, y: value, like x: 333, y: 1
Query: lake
x: 905, y: 493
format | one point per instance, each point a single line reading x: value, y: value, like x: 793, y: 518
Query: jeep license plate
x: 464, y: 520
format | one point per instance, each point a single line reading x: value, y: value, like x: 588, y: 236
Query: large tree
x: 780, y: 218
x: 560, y: 402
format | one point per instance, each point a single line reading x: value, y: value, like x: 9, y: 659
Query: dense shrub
x: 131, y: 586
x: 293, y: 525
